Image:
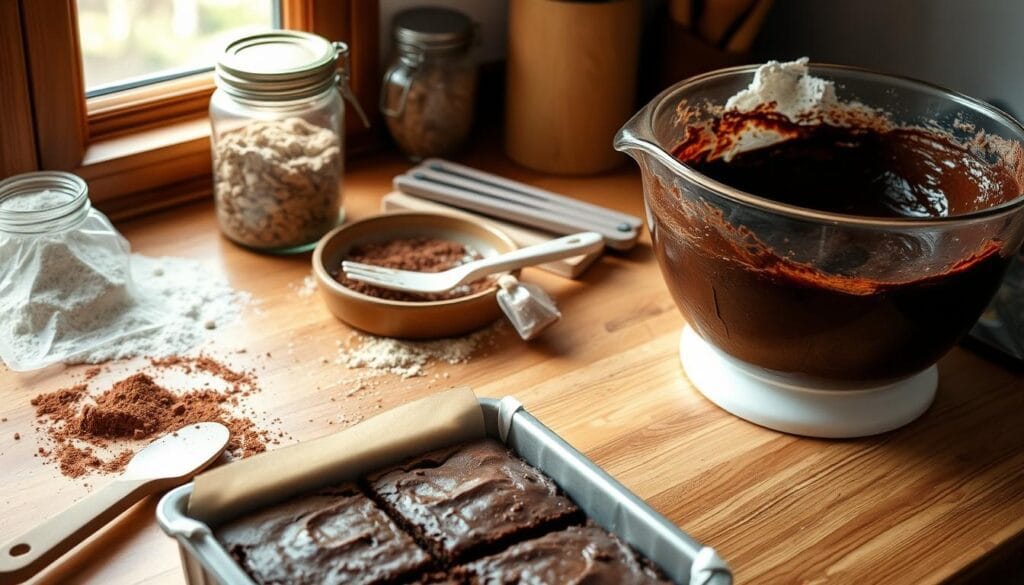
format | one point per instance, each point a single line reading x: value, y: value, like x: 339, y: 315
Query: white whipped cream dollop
x: 793, y: 91
x: 784, y: 88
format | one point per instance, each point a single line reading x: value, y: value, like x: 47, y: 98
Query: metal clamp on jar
x: 429, y: 87
x: 278, y: 139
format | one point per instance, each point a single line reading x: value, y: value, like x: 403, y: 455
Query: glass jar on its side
x: 429, y: 87
x: 66, y: 272
x: 46, y: 202
x: 278, y: 139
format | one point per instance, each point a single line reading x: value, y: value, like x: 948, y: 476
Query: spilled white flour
x: 306, y: 288
x: 408, y: 359
x: 189, y: 300
x: 70, y: 300
x: 76, y: 294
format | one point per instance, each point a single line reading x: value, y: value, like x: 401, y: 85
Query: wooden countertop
x: 940, y: 499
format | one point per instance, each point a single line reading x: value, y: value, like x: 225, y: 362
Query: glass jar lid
x: 279, y: 65
x: 432, y: 28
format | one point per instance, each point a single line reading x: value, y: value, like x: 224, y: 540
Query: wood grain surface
x: 939, y: 500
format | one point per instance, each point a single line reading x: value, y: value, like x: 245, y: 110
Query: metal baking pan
x: 605, y: 500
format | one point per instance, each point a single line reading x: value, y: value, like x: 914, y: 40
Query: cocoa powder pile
x: 418, y: 254
x: 101, y: 432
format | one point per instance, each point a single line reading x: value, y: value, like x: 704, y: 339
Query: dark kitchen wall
x: 973, y: 46
x: 490, y: 15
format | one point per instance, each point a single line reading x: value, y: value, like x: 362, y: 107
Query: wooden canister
x: 572, y: 69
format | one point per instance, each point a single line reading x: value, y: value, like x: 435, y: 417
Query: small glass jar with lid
x: 429, y: 87
x: 278, y: 139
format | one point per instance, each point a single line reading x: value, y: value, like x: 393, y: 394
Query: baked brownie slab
x: 455, y: 577
x: 335, y: 535
x: 578, y: 554
x: 471, y: 499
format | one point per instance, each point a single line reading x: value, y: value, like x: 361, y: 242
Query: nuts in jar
x: 278, y: 128
x: 429, y: 89
x: 277, y: 182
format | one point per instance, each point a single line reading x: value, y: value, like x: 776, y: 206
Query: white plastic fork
x: 438, y: 282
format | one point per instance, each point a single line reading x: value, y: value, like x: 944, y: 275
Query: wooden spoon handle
x: 28, y: 554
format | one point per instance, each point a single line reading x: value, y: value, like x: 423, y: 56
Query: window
x: 128, y: 44
x: 92, y: 87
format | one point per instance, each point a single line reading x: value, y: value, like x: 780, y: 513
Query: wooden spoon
x: 169, y: 461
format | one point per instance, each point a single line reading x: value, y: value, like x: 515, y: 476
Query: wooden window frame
x: 146, y: 148
x: 17, y: 135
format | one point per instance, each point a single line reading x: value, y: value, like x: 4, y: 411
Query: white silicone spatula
x: 164, y: 463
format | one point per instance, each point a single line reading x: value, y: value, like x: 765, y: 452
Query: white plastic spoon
x: 164, y: 463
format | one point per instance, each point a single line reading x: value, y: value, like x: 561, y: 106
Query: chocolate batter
x: 857, y: 170
x: 759, y: 301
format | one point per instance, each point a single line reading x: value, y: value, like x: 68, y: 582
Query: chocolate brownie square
x: 578, y: 554
x: 471, y: 499
x: 455, y: 577
x: 334, y: 535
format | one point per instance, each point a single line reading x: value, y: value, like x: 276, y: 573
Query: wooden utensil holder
x: 572, y: 69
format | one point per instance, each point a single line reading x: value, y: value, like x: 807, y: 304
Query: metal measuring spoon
x: 169, y: 461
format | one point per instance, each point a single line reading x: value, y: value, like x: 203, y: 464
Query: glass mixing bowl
x: 813, y: 295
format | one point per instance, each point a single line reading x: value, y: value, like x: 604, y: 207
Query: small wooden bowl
x: 411, y: 320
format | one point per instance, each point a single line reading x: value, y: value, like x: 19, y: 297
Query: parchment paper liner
x: 431, y: 423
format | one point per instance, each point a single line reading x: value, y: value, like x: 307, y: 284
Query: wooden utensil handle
x: 28, y: 554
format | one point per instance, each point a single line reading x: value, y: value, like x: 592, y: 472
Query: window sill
x: 149, y: 106
x: 150, y: 169
x: 147, y: 143
x: 161, y: 167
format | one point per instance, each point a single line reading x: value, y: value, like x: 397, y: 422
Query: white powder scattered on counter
x: 306, y: 288
x: 789, y: 86
x: 72, y: 292
x: 83, y: 307
x: 191, y: 298
x: 408, y: 359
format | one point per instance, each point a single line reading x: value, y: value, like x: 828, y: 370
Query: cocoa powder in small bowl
x: 419, y: 254
x: 422, y: 319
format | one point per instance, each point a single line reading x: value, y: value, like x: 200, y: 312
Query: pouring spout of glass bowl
x: 636, y: 137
